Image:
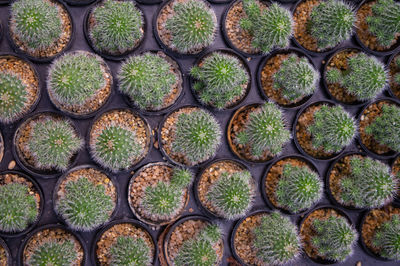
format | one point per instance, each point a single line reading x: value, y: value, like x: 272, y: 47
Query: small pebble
x: 11, y: 165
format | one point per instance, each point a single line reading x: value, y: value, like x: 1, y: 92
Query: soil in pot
x: 394, y: 70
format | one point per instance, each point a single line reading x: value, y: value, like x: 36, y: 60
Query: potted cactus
x: 158, y: 193
x: 394, y: 75
x: 79, y: 83
x: 152, y: 81
x: 257, y: 132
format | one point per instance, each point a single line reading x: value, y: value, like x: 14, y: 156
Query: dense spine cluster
x: 128, y: 250
x: 60, y: 253
x: 387, y: 239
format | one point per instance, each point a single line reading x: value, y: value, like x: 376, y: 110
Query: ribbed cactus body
x: 387, y: 239
x: 128, y: 250
x: 54, y: 253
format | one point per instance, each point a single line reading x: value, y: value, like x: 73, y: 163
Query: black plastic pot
x: 390, y: 90
x: 79, y: 2
x: 149, y: 2
x: 392, y: 164
x: 1, y: 147
x: 7, y: 251
x: 5, y: 2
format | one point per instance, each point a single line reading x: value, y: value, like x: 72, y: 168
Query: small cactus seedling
x: 298, y: 188
x: 147, y: 79
x: 220, y: 79
x: 118, y: 26
x: 53, y: 143
x: 333, y: 128
x: 296, y: 77
x: 334, y: 239
x: 386, y: 127
x: 54, y: 253
x: 276, y: 240
x: 36, y: 23
x: 384, y: 23
x: 192, y: 27
x: 364, y: 78
x: 232, y: 194
x: 387, y: 239
x: 85, y: 205
x: 265, y: 131
x: 331, y: 22
x: 270, y: 28
x: 197, y: 136
x: 130, y: 251
x: 370, y: 184
x: 17, y: 208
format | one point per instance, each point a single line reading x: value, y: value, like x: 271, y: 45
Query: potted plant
x: 394, y: 75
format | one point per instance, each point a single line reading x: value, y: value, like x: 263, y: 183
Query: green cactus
x: 276, y: 240
x: 232, y: 194
x: 331, y: 22
x: 118, y: 26
x: 197, y: 136
x: 60, y: 253
x: 18, y: 208
x: 13, y: 97
x: 147, y: 79
x: 386, y: 127
x: 265, y: 131
x: 334, y: 239
x: 219, y: 80
x: 53, y: 143
x: 384, y: 23
x: 387, y: 239
x: 36, y: 23
x: 333, y: 128
x: 397, y: 75
x: 270, y: 28
x: 370, y: 184
x: 296, y: 77
x: 75, y: 77
x: 298, y: 188
x: 85, y: 205
x: 130, y: 251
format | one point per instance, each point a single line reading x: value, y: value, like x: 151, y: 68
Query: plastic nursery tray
x: 117, y: 101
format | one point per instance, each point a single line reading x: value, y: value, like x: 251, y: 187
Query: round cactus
x: 130, y: 251
x: 54, y: 253
x: 387, y: 239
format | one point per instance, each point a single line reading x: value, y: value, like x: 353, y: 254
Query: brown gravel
x: 393, y: 70
x: 110, y: 236
x: 4, y: 255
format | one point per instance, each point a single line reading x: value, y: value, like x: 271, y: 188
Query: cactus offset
x: 387, y: 239
x: 130, y: 251
x: 54, y: 253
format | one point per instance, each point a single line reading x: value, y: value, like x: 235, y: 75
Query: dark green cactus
x: 387, y: 239
x: 130, y: 251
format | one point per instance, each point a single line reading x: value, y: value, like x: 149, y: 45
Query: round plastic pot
x: 79, y: 3
x: 7, y: 250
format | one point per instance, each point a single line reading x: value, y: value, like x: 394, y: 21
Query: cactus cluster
x: 296, y: 78
x: 130, y: 251
x: 331, y: 22
x: 219, y: 79
x: 265, y: 131
x: 84, y: 205
x: 334, y: 239
x: 298, y: 188
x: 192, y: 27
x: 117, y: 28
x: 384, y: 23
x: 387, y: 239
x: 270, y: 28
x: 36, y: 23
x: 364, y: 78
x: 232, y: 194
x: 332, y: 129
x: 197, y: 136
x: 54, y: 253
x: 147, y: 79
x: 276, y: 240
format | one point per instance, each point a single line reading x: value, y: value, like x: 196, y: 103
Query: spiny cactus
x: 118, y: 26
x: 53, y: 143
x: 197, y: 136
x: 54, y: 252
x: 130, y: 251
x: 276, y: 240
x: 370, y: 184
x: 331, y: 22
x: 270, y: 28
x: 75, y: 77
x: 232, y: 194
x: 298, y: 188
x: 397, y: 75
x: 264, y: 131
x: 36, y: 23
x: 334, y: 239
x: 296, y: 77
x: 333, y: 128
x: 147, y: 79
x: 384, y: 22
x: 364, y: 78
x: 387, y: 239
x: 13, y: 97
x: 220, y: 79
x: 85, y: 205
x: 18, y: 208
x: 386, y: 127
x: 193, y: 26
